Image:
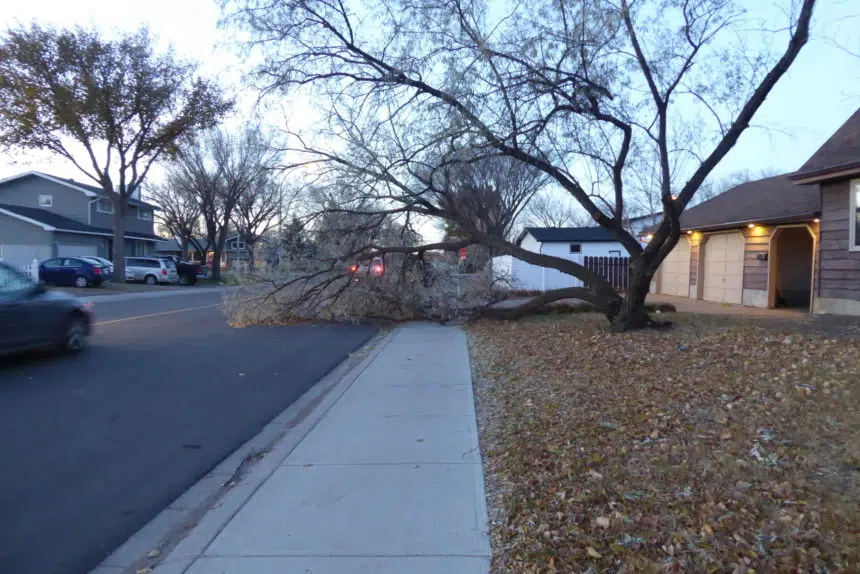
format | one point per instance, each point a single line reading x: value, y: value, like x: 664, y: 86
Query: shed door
x: 71, y: 250
x: 724, y: 268
x: 676, y: 270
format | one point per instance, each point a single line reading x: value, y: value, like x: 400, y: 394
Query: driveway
x: 95, y: 445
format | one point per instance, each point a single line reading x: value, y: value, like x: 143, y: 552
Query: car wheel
x: 81, y: 282
x: 183, y: 280
x: 76, y: 337
x: 151, y: 280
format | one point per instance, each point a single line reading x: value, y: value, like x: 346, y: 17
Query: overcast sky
x: 818, y: 94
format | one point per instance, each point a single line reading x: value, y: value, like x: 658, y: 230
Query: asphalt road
x: 95, y: 445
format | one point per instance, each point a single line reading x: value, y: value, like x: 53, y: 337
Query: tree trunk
x: 251, y: 257
x: 118, y: 244
x: 632, y: 313
x: 216, y: 258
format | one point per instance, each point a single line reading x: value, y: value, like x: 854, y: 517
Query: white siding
x: 528, y: 277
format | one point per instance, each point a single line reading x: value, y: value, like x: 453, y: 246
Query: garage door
x: 70, y: 250
x: 676, y: 270
x: 20, y: 255
x: 724, y: 268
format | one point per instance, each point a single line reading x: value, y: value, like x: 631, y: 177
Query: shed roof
x: 567, y: 234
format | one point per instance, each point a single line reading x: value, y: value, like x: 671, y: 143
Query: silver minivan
x: 150, y: 270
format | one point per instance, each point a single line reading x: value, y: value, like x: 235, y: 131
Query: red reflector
x: 97, y: 271
x: 164, y: 271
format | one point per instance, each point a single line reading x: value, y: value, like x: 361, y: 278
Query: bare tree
x: 220, y: 169
x: 256, y: 211
x: 582, y: 91
x: 550, y: 210
x: 111, y: 107
x: 179, y: 214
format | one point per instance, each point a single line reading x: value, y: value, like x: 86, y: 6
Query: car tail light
x: 353, y: 268
x: 377, y: 269
x: 164, y: 271
x: 97, y: 271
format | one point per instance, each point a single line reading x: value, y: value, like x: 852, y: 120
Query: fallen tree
x: 584, y: 93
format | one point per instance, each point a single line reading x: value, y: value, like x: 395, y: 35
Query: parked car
x: 104, y: 262
x: 72, y: 271
x: 373, y: 268
x: 151, y: 270
x: 31, y: 316
x: 188, y: 272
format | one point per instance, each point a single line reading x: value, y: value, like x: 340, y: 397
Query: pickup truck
x: 188, y: 272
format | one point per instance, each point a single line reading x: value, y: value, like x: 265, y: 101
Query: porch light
x: 751, y: 225
x: 649, y: 237
x: 689, y: 232
x: 816, y: 220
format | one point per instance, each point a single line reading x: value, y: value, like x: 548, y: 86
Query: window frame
x: 147, y: 211
x: 102, y: 202
x: 577, y: 251
x: 853, y: 190
x: 615, y: 253
x: 47, y: 196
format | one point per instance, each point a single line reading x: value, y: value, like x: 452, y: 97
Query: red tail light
x: 377, y: 269
x: 97, y: 271
x: 164, y: 271
x: 353, y: 268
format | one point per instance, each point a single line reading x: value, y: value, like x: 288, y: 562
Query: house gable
x: 838, y: 157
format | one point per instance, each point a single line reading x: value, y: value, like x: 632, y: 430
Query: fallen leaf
x: 602, y: 521
x: 592, y: 552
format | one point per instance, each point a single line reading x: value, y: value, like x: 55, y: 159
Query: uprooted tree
x: 583, y: 91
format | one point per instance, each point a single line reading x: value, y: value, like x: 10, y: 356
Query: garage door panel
x: 724, y: 267
x: 71, y: 250
x: 676, y: 270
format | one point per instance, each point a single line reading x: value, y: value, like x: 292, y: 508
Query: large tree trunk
x: 118, y: 244
x: 632, y: 313
x: 216, y: 259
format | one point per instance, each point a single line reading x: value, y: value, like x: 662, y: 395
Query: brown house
x: 787, y: 241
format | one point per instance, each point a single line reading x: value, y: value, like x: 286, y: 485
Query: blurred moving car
x: 150, y: 270
x: 188, y: 272
x: 74, y: 271
x: 32, y: 317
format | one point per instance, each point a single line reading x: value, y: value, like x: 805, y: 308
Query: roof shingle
x: 773, y: 199
x: 584, y: 234
x: 61, y: 223
x: 841, y: 150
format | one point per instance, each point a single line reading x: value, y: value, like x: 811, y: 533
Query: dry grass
x: 724, y: 445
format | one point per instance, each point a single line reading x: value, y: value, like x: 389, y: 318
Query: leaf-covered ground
x: 723, y: 445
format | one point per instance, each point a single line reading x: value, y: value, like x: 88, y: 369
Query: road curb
x: 180, y: 533
x: 153, y: 295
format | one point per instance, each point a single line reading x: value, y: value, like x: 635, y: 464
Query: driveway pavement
x: 96, y: 445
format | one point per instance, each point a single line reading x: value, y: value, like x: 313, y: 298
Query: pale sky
x: 819, y: 93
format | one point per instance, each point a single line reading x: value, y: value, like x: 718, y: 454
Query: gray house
x: 43, y: 216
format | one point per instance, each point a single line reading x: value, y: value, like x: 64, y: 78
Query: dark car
x: 72, y: 271
x: 32, y: 317
x: 188, y: 272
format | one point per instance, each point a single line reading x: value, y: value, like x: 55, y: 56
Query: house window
x: 144, y: 214
x: 104, y: 206
x: 854, y: 217
x: 46, y: 200
x: 614, y: 253
x: 575, y: 248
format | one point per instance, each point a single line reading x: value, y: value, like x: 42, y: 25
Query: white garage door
x: 70, y: 250
x: 724, y: 268
x: 676, y: 270
x: 20, y: 255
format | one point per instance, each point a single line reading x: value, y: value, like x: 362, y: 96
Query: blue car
x: 73, y: 271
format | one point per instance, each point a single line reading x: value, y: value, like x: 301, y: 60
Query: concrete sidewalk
x: 388, y: 480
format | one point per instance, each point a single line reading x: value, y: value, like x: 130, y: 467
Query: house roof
x: 167, y: 245
x: 841, y: 152
x: 566, y: 234
x: 770, y: 200
x: 89, y: 190
x: 54, y: 222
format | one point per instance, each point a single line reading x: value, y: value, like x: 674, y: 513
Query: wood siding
x: 838, y: 268
x: 695, y: 241
x: 755, y: 270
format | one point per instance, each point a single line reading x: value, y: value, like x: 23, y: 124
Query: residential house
x: 573, y: 243
x: 787, y: 241
x: 236, y: 254
x: 43, y: 216
x: 638, y: 226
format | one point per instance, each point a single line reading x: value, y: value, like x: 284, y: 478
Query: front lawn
x: 723, y: 445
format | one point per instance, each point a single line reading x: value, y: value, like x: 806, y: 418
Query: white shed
x: 573, y: 243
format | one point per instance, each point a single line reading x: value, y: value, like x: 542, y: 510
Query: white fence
x: 32, y: 270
